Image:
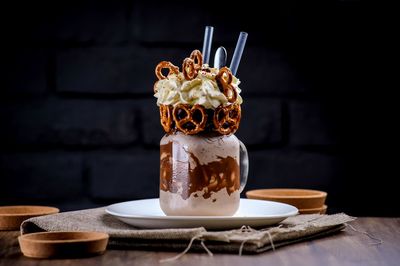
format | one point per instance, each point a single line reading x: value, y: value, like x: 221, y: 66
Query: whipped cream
x: 202, y: 90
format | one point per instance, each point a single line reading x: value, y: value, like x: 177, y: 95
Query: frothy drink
x: 200, y: 158
x: 199, y: 175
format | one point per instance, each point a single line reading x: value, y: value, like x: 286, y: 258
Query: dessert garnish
x: 197, y: 99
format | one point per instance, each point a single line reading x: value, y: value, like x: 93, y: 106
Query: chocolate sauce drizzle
x: 178, y: 176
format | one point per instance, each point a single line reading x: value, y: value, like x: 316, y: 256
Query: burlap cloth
x: 246, y: 239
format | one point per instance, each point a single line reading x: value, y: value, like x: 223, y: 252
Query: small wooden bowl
x: 300, y: 198
x: 63, y: 244
x: 321, y: 210
x: 11, y: 217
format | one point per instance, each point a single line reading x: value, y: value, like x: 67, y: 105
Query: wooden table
x: 346, y: 248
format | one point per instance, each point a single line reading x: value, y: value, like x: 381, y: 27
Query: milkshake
x: 200, y: 157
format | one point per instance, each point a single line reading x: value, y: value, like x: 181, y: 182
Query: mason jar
x: 201, y: 175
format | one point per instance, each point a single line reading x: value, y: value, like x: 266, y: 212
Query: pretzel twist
x: 188, y: 69
x: 197, y: 57
x: 193, y: 119
x: 166, y: 118
x: 227, y: 118
x: 165, y: 65
x: 190, y: 119
x: 192, y: 65
x: 224, y: 79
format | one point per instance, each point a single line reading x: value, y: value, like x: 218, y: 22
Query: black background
x: 79, y: 125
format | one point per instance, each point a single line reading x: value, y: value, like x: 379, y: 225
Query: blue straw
x: 237, y: 55
x: 208, y: 34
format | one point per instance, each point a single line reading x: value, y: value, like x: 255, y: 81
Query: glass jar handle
x: 244, y: 166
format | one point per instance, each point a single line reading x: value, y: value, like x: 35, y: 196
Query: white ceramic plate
x: 148, y: 214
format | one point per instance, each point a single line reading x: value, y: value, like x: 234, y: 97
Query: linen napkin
x: 245, y: 239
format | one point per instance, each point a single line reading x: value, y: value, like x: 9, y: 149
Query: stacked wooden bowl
x: 306, y: 200
x: 50, y: 244
x: 11, y: 217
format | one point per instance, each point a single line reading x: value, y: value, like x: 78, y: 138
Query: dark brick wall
x: 80, y: 128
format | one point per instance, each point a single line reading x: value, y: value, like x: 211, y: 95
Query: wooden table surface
x: 346, y: 248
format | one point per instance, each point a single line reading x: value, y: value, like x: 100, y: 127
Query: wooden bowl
x: 300, y: 198
x: 321, y: 210
x: 63, y: 244
x: 11, y: 217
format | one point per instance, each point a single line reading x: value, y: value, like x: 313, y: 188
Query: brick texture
x: 112, y: 70
x: 269, y: 71
x: 182, y: 24
x: 79, y: 126
x: 92, y: 22
x: 311, y: 124
x: 65, y: 23
x: 45, y: 176
x: 152, y: 131
x: 261, y: 122
x: 293, y: 169
x: 124, y: 175
x: 167, y: 22
x: 68, y: 123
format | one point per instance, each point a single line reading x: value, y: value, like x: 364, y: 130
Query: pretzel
x: 168, y: 65
x: 166, y: 118
x: 190, y: 119
x: 227, y: 118
x: 197, y: 58
x: 189, y: 69
x: 224, y: 79
x: 191, y: 65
